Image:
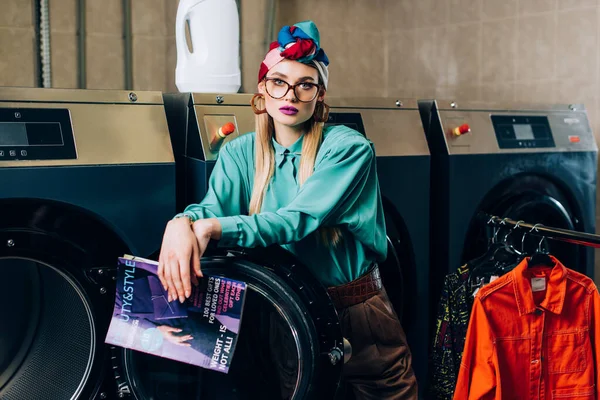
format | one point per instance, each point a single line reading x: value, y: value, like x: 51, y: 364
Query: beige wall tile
x: 399, y: 14
x: 576, y: 90
x: 493, y: 9
x: 445, y: 92
x: 149, y: 64
x: 426, y: 92
x: 105, y: 16
x: 148, y: 17
x: 367, y: 15
x: 459, y: 93
x: 105, y: 65
x: 337, y: 45
x: 565, y: 4
x: 63, y: 16
x: 366, y: 66
x: 320, y: 12
x: 537, y: 6
x: 537, y: 92
x: 462, y: 11
x: 287, y: 13
x: 402, y: 72
x: 252, y: 56
x: 16, y: 13
x: 431, y: 47
x: 431, y: 12
x: 499, y: 61
x: 171, y: 64
x: 536, y: 47
x: 17, y: 57
x: 464, y: 54
x: 406, y: 92
x: 253, y: 20
x: 498, y: 92
x: 171, y: 7
x: 65, y: 72
x: 576, y: 44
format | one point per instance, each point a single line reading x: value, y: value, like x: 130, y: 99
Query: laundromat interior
x: 484, y: 117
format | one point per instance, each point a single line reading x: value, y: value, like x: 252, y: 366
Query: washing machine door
x: 55, y: 306
x: 290, y: 343
x: 532, y: 199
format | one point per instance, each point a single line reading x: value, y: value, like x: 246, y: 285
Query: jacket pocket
x: 581, y: 393
x: 566, y: 353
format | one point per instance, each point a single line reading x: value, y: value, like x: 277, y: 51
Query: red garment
x: 540, y: 343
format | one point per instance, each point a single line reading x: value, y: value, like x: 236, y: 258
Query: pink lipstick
x: 289, y: 110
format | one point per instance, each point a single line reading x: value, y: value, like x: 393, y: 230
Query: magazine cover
x: 202, y: 331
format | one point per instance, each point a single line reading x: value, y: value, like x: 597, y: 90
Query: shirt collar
x: 556, y: 285
x: 281, y: 152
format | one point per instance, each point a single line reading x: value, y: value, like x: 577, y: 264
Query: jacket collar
x: 556, y: 284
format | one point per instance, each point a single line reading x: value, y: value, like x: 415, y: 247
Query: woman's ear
x: 261, y: 87
x: 321, y: 96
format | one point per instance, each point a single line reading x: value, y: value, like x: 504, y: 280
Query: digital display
x: 36, y: 134
x: 13, y: 134
x: 523, y: 132
x: 30, y: 134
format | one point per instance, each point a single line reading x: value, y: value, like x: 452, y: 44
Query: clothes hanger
x: 499, y: 256
x: 540, y: 257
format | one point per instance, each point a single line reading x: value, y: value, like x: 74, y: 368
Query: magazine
x: 202, y: 331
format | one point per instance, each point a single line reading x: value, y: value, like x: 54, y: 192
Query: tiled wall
x: 516, y: 50
x: 17, y: 43
x: 153, y: 44
x: 521, y: 50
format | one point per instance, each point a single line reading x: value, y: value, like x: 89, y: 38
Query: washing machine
x: 395, y: 128
x: 535, y: 163
x: 86, y: 176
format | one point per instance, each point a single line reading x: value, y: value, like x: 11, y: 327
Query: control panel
x: 522, y: 131
x: 36, y: 134
x: 484, y: 129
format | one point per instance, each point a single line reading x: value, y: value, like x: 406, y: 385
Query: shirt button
x: 538, y: 312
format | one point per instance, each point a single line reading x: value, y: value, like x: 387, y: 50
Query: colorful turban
x: 300, y: 42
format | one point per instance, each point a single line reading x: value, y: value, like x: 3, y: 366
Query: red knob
x: 226, y: 130
x: 461, y: 130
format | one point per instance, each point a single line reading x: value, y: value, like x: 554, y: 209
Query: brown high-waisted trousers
x: 381, y: 364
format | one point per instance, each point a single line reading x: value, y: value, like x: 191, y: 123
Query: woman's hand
x: 179, y: 249
x: 180, y: 253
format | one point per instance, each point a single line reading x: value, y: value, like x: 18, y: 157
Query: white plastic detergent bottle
x: 213, y: 66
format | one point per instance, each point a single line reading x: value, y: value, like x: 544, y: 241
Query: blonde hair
x: 265, y: 164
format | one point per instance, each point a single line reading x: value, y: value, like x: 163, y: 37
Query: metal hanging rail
x: 563, y: 235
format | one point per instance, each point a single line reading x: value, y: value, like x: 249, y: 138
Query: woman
x: 312, y: 190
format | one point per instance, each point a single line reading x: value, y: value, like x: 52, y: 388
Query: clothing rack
x: 563, y: 235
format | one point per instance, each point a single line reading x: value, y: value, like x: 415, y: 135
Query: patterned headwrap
x: 300, y: 42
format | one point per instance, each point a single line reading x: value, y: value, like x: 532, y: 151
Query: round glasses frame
x: 294, y: 88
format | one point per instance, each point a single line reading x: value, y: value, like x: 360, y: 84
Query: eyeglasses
x: 304, y: 91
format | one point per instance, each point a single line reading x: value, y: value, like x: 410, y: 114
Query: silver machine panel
x: 99, y: 127
x: 493, y: 128
x: 393, y: 133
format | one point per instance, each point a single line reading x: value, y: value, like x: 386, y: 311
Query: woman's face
x: 289, y: 110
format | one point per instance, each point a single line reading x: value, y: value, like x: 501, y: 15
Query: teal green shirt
x: 343, y: 192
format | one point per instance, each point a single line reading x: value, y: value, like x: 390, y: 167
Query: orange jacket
x: 534, y: 333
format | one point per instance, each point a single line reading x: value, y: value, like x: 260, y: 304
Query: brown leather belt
x: 357, y: 291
